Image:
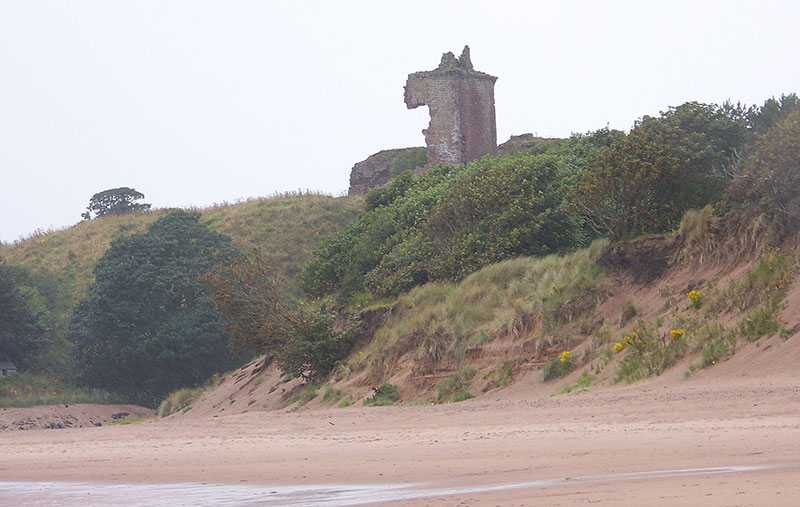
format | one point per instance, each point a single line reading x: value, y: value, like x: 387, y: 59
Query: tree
x: 21, y: 334
x: 646, y: 180
x: 114, y: 201
x: 264, y: 318
x: 147, y: 325
x: 771, y: 172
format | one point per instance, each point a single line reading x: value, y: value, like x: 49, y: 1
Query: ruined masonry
x: 462, y: 126
x: 461, y: 102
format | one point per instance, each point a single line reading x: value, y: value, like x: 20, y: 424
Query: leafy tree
x: 264, y: 318
x: 774, y: 110
x: 147, y: 325
x: 114, y: 201
x: 21, y: 333
x: 771, y: 173
x: 646, y: 180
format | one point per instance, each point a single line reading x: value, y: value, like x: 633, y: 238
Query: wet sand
x: 478, y: 452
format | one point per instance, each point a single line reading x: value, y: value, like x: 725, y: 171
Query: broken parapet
x: 461, y: 102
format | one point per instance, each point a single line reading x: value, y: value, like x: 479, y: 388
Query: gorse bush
x: 645, y: 180
x: 451, y: 221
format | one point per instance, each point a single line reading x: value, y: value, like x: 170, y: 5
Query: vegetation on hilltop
x: 147, y: 325
x: 54, y: 269
x: 497, y: 250
x: 22, y: 334
x: 450, y: 221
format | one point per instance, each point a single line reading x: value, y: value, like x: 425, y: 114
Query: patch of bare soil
x: 69, y: 416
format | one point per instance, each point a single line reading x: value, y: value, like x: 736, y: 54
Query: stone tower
x: 461, y: 103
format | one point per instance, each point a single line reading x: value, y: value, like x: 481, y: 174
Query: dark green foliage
x: 263, y: 317
x: 313, y: 348
x: 114, y: 201
x: 147, y: 326
x: 384, y: 394
x: 450, y: 221
x: 644, y: 181
x: 22, y: 334
x: 771, y: 172
x: 763, y: 118
x: 342, y: 262
x: 557, y: 367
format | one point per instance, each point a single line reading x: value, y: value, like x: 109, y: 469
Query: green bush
x: 559, y: 366
x: 385, y: 394
x: 451, y: 221
x: 647, y: 353
x: 455, y: 387
x: 645, y: 180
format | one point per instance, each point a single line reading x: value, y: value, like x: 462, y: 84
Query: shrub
x: 772, y: 172
x: 648, y: 354
x: 696, y: 298
x: 628, y: 312
x: 179, y: 401
x: 384, y: 394
x: 559, y: 366
x: 645, y: 180
x: 307, y: 394
x: 334, y: 396
x: 504, y: 375
x: 455, y: 387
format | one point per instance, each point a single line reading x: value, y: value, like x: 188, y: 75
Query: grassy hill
x: 58, y: 264
x: 610, y: 314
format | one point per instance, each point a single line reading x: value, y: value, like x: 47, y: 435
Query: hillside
x: 59, y: 263
x: 509, y: 324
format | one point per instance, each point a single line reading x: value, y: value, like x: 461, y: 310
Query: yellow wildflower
x: 676, y: 333
x: 565, y: 356
x: 618, y: 347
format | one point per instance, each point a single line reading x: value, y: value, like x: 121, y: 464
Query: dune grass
x: 28, y: 389
x: 518, y: 298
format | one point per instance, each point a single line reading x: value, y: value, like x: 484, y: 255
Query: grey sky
x: 195, y: 102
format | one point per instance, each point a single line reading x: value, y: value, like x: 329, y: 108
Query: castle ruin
x: 461, y: 102
x: 462, y: 126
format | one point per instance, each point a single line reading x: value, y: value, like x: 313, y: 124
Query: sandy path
x: 639, y: 428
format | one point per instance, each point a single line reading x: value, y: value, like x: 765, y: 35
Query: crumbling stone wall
x: 461, y: 102
x: 377, y: 169
x: 462, y: 127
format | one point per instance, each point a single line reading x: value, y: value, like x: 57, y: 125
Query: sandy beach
x: 610, y: 445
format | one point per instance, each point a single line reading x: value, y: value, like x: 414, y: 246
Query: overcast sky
x: 196, y: 102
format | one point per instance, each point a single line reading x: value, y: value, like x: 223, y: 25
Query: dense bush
x: 22, y: 334
x: 148, y: 326
x: 644, y: 181
x: 772, y: 171
x: 450, y: 222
